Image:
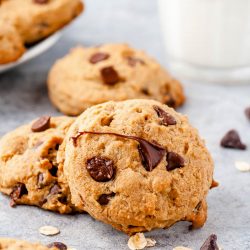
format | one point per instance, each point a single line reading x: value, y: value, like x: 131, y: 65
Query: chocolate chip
x: 150, y: 154
x: 101, y: 169
x: 41, y: 124
x: 98, y: 57
x: 53, y: 171
x: 247, y: 112
x: 105, y: 198
x: 145, y: 91
x: 232, y: 140
x: 132, y: 61
x: 54, y: 190
x: 40, y: 179
x: 17, y: 192
x: 171, y: 102
x: 58, y: 245
x: 110, y: 76
x: 63, y: 199
x: 174, y: 161
x: 41, y: 1
x: 166, y: 119
x: 210, y: 243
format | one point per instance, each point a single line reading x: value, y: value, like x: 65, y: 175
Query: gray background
x: 213, y: 109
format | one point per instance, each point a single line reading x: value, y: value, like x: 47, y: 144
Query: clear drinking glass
x: 207, y: 39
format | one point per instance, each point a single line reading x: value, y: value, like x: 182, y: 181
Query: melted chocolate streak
x: 151, y: 153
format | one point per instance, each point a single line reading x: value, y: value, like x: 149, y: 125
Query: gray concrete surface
x: 213, y: 109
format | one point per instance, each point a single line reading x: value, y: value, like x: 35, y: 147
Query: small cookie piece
x: 13, y: 244
x: 144, y: 173
x: 89, y: 76
x: 33, y: 21
x: 29, y: 171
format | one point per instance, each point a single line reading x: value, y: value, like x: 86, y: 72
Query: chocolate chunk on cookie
x: 41, y: 124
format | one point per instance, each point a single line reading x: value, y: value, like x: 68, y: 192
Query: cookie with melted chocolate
x: 137, y: 165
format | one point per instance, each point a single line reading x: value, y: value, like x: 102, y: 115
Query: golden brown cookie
x: 29, y: 171
x: 89, y: 76
x: 138, y: 165
x: 34, y: 20
x: 13, y: 244
x: 11, y: 44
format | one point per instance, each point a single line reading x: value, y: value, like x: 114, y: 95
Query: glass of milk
x: 207, y: 39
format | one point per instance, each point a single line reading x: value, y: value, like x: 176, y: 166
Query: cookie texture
x: 32, y: 21
x: 29, y: 171
x: 11, y: 44
x: 111, y: 72
x: 138, y: 165
x: 13, y: 244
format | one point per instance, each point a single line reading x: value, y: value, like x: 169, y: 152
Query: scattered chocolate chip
x: 57, y: 146
x: 247, y: 112
x: 174, y: 161
x: 110, y: 76
x: 166, y: 119
x: 98, y: 57
x: 54, y: 190
x: 151, y: 153
x: 17, y: 192
x: 53, y: 171
x: 132, y: 61
x: 210, y: 243
x: 41, y: 1
x: 232, y: 140
x: 41, y: 124
x: 58, y: 245
x: 101, y: 169
x: 40, y: 179
x: 105, y: 198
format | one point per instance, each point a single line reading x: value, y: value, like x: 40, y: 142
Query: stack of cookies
x: 129, y: 159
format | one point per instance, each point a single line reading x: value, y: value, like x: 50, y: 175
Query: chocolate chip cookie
x: 11, y: 44
x: 138, y: 165
x: 29, y: 171
x: 32, y: 21
x: 89, y: 76
x: 13, y: 244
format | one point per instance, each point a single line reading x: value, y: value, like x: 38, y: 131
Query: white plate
x: 32, y: 52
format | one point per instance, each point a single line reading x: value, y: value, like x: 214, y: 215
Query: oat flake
x: 242, y: 166
x: 49, y: 230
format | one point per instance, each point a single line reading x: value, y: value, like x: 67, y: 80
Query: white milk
x: 207, y: 33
